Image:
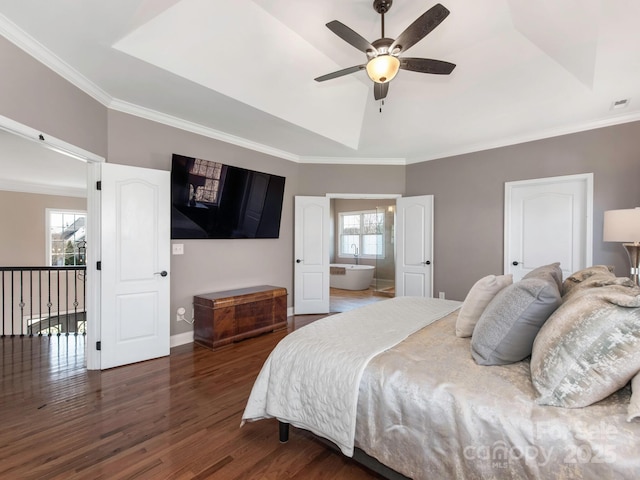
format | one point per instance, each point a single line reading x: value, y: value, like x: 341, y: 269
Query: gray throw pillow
x: 589, y: 348
x: 507, y: 328
x: 547, y: 272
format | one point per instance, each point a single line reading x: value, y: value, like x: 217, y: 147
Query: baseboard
x: 181, y: 339
x: 187, y: 337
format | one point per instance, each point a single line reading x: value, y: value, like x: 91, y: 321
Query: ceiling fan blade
x: 380, y: 90
x: 340, y: 73
x: 427, y: 65
x: 349, y: 36
x: 423, y: 25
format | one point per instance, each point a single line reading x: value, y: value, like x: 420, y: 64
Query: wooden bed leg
x: 284, y: 432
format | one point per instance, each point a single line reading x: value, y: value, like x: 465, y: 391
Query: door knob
x: 163, y: 273
x: 515, y: 263
x: 428, y: 262
x: 298, y: 260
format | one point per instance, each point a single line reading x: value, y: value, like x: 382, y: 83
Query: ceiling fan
x: 383, y: 55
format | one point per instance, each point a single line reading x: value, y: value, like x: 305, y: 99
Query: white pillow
x: 477, y: 300
x: 634, y: 404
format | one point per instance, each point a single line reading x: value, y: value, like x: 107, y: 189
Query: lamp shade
x: 383, y: 68
x: 622, y: 225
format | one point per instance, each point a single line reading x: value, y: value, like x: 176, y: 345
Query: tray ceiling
x: 243, y: 70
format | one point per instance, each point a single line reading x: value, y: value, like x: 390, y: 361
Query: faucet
x: 355, y: 254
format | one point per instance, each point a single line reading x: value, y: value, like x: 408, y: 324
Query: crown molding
x: 540, y: 135
x: 355, y: 160
x: 40, y: 189
x: 171, y: 121
x: 22, y: 40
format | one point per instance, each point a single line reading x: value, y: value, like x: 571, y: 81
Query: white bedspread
x: 427, y: 410
x: 311, y: 378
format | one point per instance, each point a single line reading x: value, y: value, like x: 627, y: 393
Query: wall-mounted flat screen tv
x: 213, y: 200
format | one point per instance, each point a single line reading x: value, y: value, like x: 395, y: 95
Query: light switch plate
x: 177, y: 248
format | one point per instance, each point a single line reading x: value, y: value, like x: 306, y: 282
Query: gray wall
x: 35, y: 96
x: 321, y: 179
x: 469, y: 197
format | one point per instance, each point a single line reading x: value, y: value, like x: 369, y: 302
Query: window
x: 362, y: 233
x: 66, y: 237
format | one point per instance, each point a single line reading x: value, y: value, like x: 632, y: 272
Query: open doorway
x: 43, y: 190
x: 362, y: 251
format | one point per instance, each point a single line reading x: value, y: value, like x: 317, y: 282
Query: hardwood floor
x: 176, y: 417
x: 343, y: 300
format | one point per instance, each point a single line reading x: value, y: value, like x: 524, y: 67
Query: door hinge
x: 98, y: 345
x: 98, y: 265
x: 99, y: 185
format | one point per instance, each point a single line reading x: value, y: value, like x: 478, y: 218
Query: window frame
x: 48, y: 234
x: 361, y: 213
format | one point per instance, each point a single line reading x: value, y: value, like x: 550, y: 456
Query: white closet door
x: 548, y: 220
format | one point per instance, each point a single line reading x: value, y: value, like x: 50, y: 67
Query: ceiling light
x: 383, y: 68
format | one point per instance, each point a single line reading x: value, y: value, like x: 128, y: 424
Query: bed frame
x: 358, y: 455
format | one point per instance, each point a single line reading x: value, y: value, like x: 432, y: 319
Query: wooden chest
x: 224, y: 317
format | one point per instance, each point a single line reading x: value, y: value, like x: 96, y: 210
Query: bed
x: 429, y: 401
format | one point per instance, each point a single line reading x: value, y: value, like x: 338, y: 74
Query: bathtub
x: 356, y: 277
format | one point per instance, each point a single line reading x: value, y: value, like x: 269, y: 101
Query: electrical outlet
x: 441, y: 295
x: 180, y: 315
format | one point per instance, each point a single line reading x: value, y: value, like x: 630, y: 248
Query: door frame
x: 363, y: 196
x: 586, y: 178
x: 354, y: 196
x: 92, y: 279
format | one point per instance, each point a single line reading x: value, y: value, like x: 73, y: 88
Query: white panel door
x: 135, y: 287
x: 311, y: 251
x: 548, y: 220
x: 414, y: 246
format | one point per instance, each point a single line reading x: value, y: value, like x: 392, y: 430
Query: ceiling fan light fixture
x: 383, y: 68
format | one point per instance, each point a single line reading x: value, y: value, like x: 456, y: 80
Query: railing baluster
x: 59, y: 304
x: 3, y: 312
x: 21, y: 304
x: 39, y: 304
x: 12, y: 309
x: 30, y: 303
x: 49, y: 304
x: 75, y: 302
x: 18, y: 305
x: 66, y: 303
